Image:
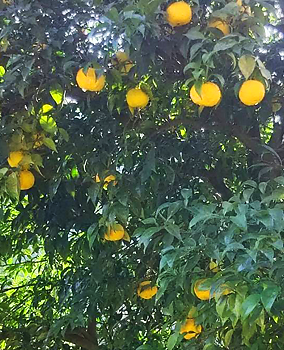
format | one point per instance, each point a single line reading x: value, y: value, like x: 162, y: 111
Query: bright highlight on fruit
x: 123, y: 62
x: 210, y: 95
x: 252, y: 92
x: 27, y: 179
x: 89, y: 80
x: 15, y: 158
x: 179, y: 13
x: 137, y: 98
x: 115, y: 232
x: 221, y: 25
x: 146, y: 292
x: 190, y: 329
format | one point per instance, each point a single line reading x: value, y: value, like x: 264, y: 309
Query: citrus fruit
x: 213, y: 266
x: 89, y: 80
x: 210, y: 95
x: 107, y: 180
x: 251, y: 92
x: 146, y: 292
x: 15, y: 158
x: 137, y: 98
x: 200, y: 293
x: 179, y: 13
x: 27, y: 179
x: 221, y: 25
x: 114, y: 232
x: 123, y: 62
x: 190, y: 329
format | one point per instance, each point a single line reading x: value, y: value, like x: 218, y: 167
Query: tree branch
x: 17, y: 287
x: 80, y: 341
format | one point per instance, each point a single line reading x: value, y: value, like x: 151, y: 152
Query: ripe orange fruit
x: 146, y: 292
x: 179, y: 13
x: 221, y: 25
x: 137, y: 98
x: 27, y: 179
x: 200, y: 293
x: 205, y: 294
x: 190, y: 329
x: 123, y: 62
x: 251, y: 92
x: 89, y: 80
x: 210, y: 95
x: 15, y: 158
x: 114, y: 232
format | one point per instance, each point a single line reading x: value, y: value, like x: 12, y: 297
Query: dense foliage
x: 192, y: 187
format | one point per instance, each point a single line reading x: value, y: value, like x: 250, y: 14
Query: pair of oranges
x: 251, y: 93
x: 26, y: 177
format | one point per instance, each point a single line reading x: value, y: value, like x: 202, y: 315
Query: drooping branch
x: 84, y: 337
x: 80, y: 341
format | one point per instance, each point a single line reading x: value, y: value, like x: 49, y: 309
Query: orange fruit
x: 123, y: 62
x: 114, y: 232
x: 137, y: 98
x: 190, y: 329
x: 107, y: 180
x: 210, y: 95
x: 15, y: 158
x: 221, y: 25
x: 146, y: 292
x: 179, y: 13
x: 252, y: 92
x: 200, y: 293
x: 27, y: 179
x: 89, y: 80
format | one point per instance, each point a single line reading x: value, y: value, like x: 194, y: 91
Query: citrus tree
x: 141, y: 174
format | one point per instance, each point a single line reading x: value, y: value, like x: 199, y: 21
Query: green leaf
x: 48, y: 124
x: 240, y: 220
x: 145, y: 236
x: 172, y: 341
x: 2, y: 71
x: 268, y: 297
x: 64, y: 134
x: 56, y: 93
x: 247, y: 65
x: 225, y: 44
x: 45, y: 109
x: 149, y: 166
x: 12, y: 185
x: 173, y: 230
x: 249, y: 305
x: 92, y: 234
x: 194, y: 34
x: 228, y: 338
x: 3, y: 172
x: 48, y: 142
x: 93, y: 192
x: 113, y: 14
x: 144, y: 347
x: 264, y: 72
